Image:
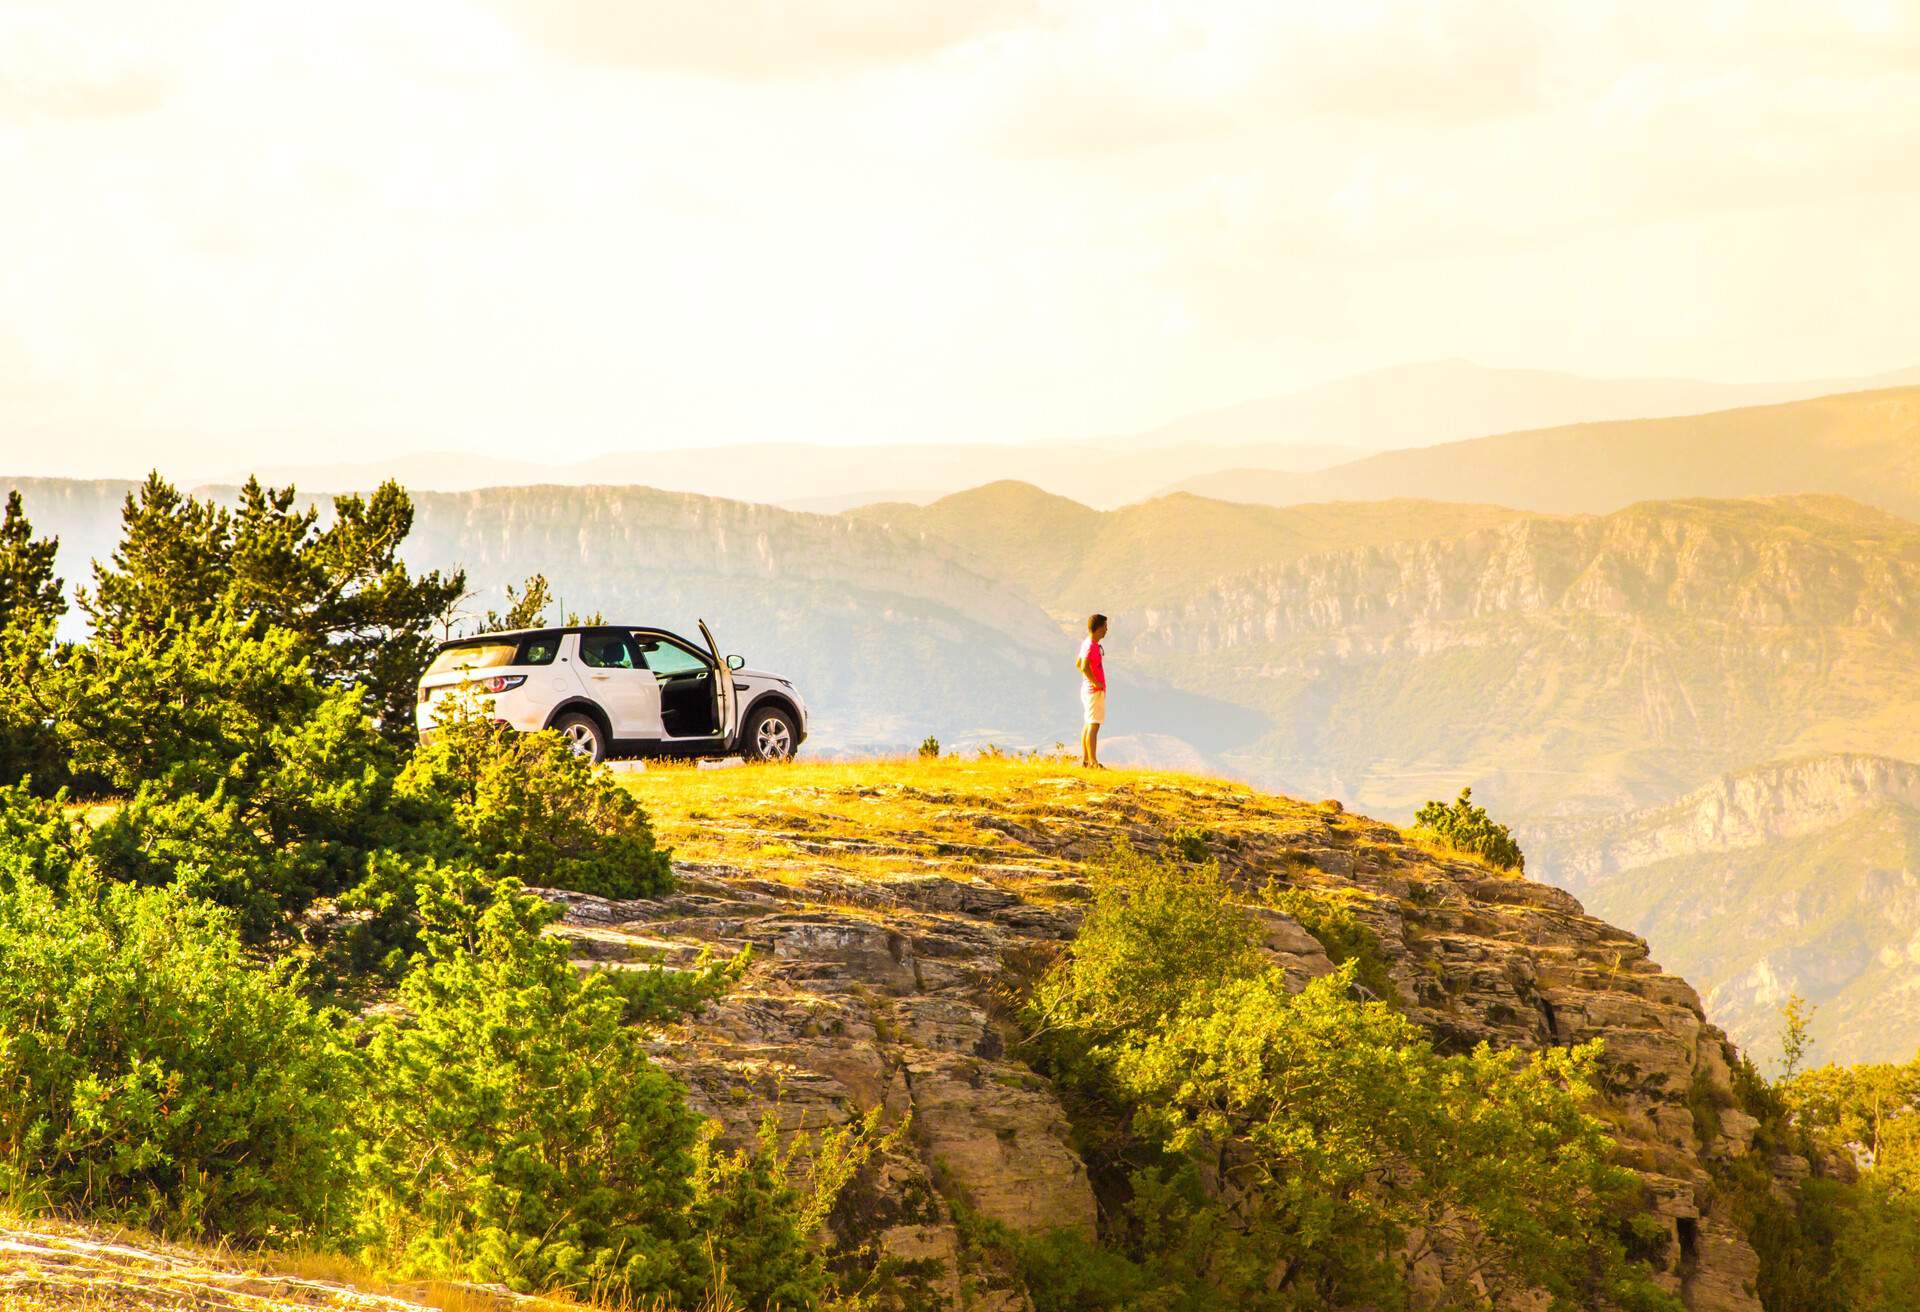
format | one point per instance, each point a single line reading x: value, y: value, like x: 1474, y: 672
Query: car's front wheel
x: 771, y: 735
x: 583, y: 735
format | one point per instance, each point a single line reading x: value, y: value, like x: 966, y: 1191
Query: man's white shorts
x: 1094, y: 702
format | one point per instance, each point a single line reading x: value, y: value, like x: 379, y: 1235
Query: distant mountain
x: 1797, y: 877
x: 1864, y: 445
x: 1073, y: 559
x: 1447, y: 400
x: 1563, y: 666
x: 831, y: 478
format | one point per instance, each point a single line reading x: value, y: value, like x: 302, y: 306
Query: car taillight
x: 502, y: 682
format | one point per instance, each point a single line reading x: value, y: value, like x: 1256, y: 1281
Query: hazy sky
x: 551, y: 228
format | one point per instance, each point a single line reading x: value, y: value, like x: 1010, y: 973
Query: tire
x: 770, y: 735
x: 583, y: 734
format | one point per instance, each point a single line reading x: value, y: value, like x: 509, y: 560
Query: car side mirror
x: 736, y: 662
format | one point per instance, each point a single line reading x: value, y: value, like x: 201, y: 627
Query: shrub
x: 1467, y: 828
x: 1295, y: 1150
x: 526, y: 807
x: 1157, y: 934
x: 38, y: 842
x: 929, y: 748
x: 251, y: 783
x: 761, y: 1212
x: 153, y: 1075
x: 1191, y: 843
x: 211, y: 705
x: 513, y: 1128
x: 1340, y: 932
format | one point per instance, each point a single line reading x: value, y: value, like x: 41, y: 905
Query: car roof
x: 503, y: 635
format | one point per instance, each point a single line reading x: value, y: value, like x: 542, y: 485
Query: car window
x: 472, y: 656
x: 663, y: 657
x: 608, y: 651
x: 538, y: 649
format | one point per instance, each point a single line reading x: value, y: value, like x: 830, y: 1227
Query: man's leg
x: 1086, y: 752
x: 1093, y: 744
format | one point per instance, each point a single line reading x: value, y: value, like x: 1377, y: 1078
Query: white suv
x: 618, y: 691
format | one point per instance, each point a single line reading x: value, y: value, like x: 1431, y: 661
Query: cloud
x: 54, y: 67
x: 755, y: 38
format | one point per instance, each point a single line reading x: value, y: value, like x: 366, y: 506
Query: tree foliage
x: 150, y: 1073
x: 526, y: 608
x: 362, y: 619
x: 525, y: 806
x: 1306, y: 1150
x: 1468, y: 828
x: 29, y: 589
x: 516, y: 1129
x: 1848, y: 1239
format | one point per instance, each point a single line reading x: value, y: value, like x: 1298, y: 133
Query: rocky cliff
x: 1818, y: 859
x: 895, y: 910
x: 1570, y: 666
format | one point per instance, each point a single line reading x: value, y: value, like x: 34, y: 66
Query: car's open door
x: 726, y: 702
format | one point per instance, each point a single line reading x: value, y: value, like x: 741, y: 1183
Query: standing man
x: 1093, y: 690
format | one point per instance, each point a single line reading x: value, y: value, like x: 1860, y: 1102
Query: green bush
x: 1294, y: 1150
x: 513, y: 1128
x: 151, y: 1074
x: 1157, y: 935
x: 1468, y: 828
x: 39, y: 842
x: 249, y: 781
x: 1340, y: 932
x: 524, y: 806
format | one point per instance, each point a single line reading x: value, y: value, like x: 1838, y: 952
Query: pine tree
x: 525, y: 607
x: 378, y: 620
x: 29, y: 589
x: 363, y: 619
x: 169, y: 569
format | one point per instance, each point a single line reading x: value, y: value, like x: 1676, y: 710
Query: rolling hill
x: 1073, y: 559
x: 1864, y: 445
x: 1447, y: 400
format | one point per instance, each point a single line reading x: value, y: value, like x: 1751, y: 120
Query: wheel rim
x: 581, y: 738
x: 774, y: 739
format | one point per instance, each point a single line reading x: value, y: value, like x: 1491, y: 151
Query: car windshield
x: 473, y: 656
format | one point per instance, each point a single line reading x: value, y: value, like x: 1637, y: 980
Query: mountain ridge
x: 1864, y: 445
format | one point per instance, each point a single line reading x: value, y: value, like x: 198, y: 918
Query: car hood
x: 765, y: 675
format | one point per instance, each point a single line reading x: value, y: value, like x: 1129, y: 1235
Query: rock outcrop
x: 893, y: 924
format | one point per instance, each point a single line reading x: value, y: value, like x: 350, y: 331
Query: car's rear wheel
x: 583, y: 734
x: 771, y: 735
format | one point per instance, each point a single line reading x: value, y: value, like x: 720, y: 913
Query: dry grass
x: 1026, y: 822
x: 55, y: 1266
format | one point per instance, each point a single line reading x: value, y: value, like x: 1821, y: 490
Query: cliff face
x: 1820, y: 860
x: 893, y: 909
x: 1566, y: 666
x: 1771, y: 804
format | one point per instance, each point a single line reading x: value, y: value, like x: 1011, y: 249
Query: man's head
x: 1096, y: 627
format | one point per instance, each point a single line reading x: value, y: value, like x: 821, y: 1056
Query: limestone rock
x: 886, y: 967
